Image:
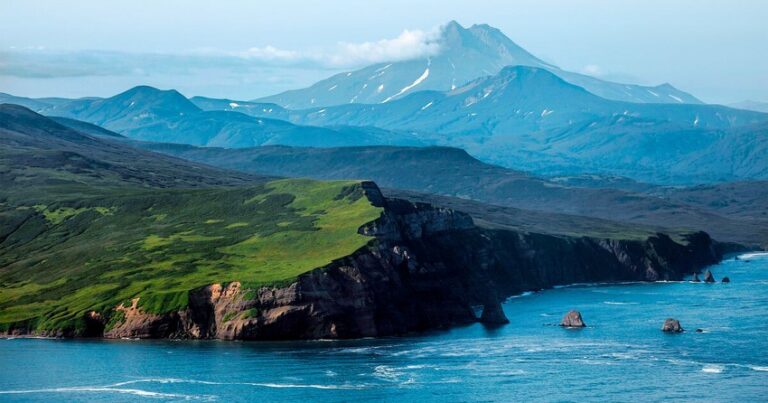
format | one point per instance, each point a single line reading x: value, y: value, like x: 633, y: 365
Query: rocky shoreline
x: 425, y: 268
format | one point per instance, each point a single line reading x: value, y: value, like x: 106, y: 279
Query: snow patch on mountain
x: 676, y: 98
x: 407, y: 88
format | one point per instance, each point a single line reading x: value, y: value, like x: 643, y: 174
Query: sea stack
x: 708, y: 277
x: 572, y: 319
x: 726, y: 280
x: 493, y: 314
x: 696, y: 278
x: 672, y: 326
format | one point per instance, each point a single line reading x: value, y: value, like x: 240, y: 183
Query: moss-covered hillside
x: 71, y: 257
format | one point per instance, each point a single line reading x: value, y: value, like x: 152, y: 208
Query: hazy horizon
x: 242, y: 50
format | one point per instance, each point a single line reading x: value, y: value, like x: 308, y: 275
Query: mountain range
x: 528, y: 118
x: 524, y: 118
x: 150, y: 114
x: 465, y: 54
x: 482, y: 93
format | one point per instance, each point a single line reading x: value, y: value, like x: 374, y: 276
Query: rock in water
x: 696, y: 278
x: 672, y: 326
x: 572, y: 319
x: 493, y: 314
x: 726, y: 280
x: 708, y: 277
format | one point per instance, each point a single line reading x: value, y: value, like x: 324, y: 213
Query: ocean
x: 621, y: 356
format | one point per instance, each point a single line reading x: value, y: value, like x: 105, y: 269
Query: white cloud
x: 602, y: 73
x: 271, y: 53
x: 410, y: 44
x: 407, y: 45
x: 40, y: 62
x: 592, y: 70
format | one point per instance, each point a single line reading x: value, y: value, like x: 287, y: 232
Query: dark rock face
x: 94, y: 325
x: 696, y: 278
x: 572, y: 319
x: 708, y: 277
x: 493, y: 314
x: 726, y: 280
x: 672, y: 326
x: 425, y: 268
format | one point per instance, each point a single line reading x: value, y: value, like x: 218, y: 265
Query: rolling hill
x: 731, y: 212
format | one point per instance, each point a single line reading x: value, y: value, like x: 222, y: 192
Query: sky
x: 716, y: 50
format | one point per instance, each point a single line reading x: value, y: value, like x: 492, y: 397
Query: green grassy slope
x: 70, y: 257
x: 85, y: 225
x: 735, y: 212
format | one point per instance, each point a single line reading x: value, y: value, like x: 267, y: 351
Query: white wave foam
x: 624, y: 356
x: 619, y: 303
x: 386, y: 373
x: 598, y: 284
x: 299, y: 386
x: 259, y: 384
x: 593, y: 361
x: 513, y: 372
x: 359, y: 350
x: 758, y: 368
x: 753, y: 255
x: 164, y: 381
x: 521, y: 295
x: 106, y: 389
x: 713, y: 368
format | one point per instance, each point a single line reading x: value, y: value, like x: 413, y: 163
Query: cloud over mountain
x: 50, y: 63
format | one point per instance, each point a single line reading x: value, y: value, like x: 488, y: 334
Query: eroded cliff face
x: 425, y: 268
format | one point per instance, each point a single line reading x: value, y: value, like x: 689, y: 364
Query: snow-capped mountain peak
x: 465, y: 55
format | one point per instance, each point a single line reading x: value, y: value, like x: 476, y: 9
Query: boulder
x: 708, y: 277
x: 572, y: 319
x: 493, y: 314
x: 672, y: 326
x: 696, y: 278
x: 726, y: 280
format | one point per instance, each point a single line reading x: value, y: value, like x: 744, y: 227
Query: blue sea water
x: 621, y: 356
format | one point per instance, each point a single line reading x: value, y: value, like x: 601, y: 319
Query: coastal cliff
x: 426, y: 268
